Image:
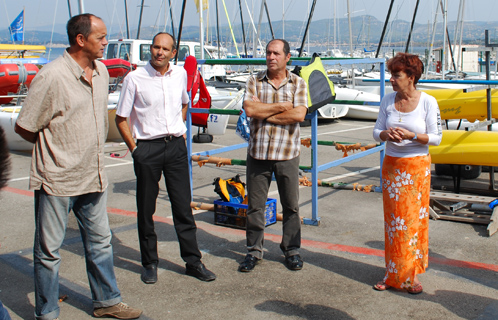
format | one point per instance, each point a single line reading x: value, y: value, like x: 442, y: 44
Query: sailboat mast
x: 126, y: 17
x: 351, y: 45
x: 172, y: 22
x: 283, y: 19
x: 182, y: 15
x: 201, y: 29
x: 384, y: 29
x: 255, y: 31
x: 350, y: 32
x: 218, y: 29
x: 460, y: 27
x: 201, y: 34
x: 411, y: 27
x: 335, y: 24
x: 269, y: 20
x: 140, y: 19
x: 231, y: 29
x: 427, y: 67
x: 447, y: 38
x: 307, y: 27
x: 81, y: 6
x: 257, y: 35
x: 308, y: 38
x: 444, y: 8
x: 243, y: 31
x: 69, y: 8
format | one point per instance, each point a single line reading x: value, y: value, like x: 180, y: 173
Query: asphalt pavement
x: 343, y: 255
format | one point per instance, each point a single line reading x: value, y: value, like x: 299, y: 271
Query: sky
x: 48, y: 14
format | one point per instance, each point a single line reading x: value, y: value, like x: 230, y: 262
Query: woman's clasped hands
x: 397, y: 134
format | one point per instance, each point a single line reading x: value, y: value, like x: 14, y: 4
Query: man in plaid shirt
x: 276, y: 102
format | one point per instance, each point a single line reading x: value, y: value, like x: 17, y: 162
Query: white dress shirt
x: 153, y: 102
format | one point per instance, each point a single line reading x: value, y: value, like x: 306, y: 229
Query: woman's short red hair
x: 408, y: 63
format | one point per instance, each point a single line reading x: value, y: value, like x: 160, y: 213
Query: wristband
x: 414, y: 138
x: 134, y: 149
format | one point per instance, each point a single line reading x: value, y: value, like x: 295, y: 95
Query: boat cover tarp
x: 320, y: 88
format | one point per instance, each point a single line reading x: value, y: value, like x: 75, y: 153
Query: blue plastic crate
x: 234, y: 214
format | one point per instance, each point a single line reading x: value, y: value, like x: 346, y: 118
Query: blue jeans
x: 4, y: 314
x: 51, y: 213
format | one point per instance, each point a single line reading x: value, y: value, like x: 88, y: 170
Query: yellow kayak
x: 467, y: 147
x: 457, y: 104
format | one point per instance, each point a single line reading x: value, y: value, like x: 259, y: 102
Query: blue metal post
x: 382, y: 93
x: 189, y: 142
x: 315, y: 219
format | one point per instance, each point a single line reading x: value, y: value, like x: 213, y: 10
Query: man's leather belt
x: 165, y: 138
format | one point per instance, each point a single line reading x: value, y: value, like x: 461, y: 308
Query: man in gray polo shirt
x: 65, y: 116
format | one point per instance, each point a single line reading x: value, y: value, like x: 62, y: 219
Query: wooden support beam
x: 463, y: 208
x: 493, y: 224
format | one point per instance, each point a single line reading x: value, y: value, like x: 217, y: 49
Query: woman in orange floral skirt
x: 409, y: 121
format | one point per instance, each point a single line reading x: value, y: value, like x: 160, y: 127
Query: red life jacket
x: 195, y: 83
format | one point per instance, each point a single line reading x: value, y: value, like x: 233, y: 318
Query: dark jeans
x: 259, y: 175
x: 4, y: 314
x: 168, y: 157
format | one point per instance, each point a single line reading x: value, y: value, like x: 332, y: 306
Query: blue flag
x: 17, y: 28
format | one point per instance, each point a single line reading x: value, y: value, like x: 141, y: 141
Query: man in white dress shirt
x: 155, y: 100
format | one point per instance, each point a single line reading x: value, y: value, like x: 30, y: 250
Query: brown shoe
x: 119, y: 311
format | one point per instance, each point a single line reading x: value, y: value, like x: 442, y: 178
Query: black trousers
x: 168, y: 157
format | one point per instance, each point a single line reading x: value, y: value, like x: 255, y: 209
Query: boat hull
x: 355, y: 111
x: 467, y: 148
x: 333, y: 111
x: 8, y: 118
x: 12, y: 76
x: 457, y: 104
x: 363, y: 112
x: 117, y: 67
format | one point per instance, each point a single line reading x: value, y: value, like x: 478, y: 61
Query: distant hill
x: 366, y: 33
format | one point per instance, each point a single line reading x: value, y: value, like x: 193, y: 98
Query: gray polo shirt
x: 70, y: 116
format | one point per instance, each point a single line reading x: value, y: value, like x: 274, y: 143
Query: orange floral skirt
x: 406, y: 194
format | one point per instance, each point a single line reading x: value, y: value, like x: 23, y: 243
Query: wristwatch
x: 415, y: 137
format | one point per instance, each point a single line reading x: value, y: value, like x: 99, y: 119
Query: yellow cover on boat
x: 11, y: 109
x: 457, y: 104
x: 466, y: 147
x: 22, y: 47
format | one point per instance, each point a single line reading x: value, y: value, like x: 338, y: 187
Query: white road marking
x: 19, y: 179
x: 125, y: 162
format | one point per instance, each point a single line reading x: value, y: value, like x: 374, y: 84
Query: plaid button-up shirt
x: 271, y: 141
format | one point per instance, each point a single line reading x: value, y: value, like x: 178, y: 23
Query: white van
x: 138, y: 53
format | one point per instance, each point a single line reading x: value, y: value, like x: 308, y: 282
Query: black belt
x: 165, y: 138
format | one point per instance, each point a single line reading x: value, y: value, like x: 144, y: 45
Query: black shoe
x: 149, y: 275
x: 200, y: 272
x: 294, y: 262
x: 249, y: 263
